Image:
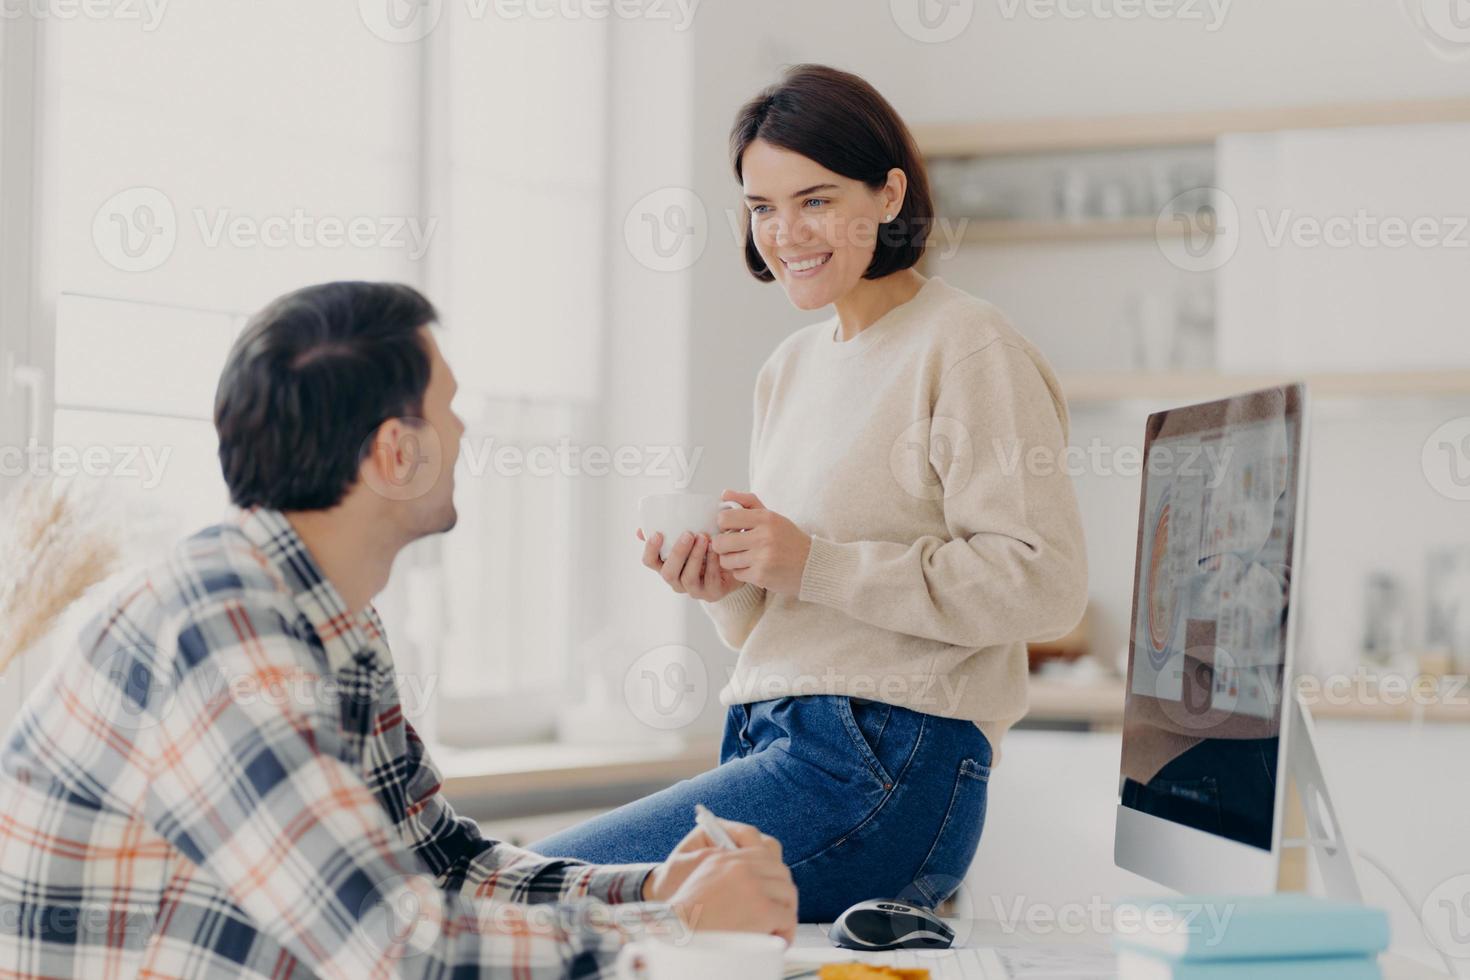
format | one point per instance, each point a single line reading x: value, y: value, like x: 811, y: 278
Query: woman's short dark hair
x: 309, y: 381
x: 840, y: 121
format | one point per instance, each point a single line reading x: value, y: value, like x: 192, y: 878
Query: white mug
x: 671, y: 514
x: 706, y: 956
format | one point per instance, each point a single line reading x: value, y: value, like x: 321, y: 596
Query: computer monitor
x: 1210, y: 703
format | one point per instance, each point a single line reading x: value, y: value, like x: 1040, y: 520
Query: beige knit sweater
x: 925, y: 458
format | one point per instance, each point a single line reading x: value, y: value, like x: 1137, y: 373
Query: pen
x: 711, y: 825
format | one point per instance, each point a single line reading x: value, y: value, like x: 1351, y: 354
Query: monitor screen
x: 1208, y: 646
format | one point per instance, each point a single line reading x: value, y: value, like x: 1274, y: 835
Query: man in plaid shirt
x: 220, y: 781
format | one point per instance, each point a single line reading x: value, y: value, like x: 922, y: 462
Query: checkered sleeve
x: 249, y: 782
x: 464, y: 860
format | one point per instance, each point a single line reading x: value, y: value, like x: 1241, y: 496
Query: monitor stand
x: 1314, y: 825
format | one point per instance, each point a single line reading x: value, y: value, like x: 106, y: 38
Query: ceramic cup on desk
x: 707, y: 956
x: 671, y: 514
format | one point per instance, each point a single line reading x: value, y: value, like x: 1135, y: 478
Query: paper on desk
x: 1076, y: 962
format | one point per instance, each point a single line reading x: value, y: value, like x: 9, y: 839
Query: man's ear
x: 403, y: 459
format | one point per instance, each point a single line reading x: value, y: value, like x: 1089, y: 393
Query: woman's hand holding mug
x: 754, y: 545
x: 685, y: 560
x: 760, y: 546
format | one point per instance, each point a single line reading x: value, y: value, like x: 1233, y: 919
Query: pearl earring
x: 888, y: 217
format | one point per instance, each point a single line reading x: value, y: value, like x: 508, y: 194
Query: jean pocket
x: 949, y: 859
x: 866, y: 750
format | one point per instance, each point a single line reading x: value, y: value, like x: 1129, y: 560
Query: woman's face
x: 815, y: 229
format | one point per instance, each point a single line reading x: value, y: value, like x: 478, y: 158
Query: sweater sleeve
x: 1013, y: 567
x: 736, y: 615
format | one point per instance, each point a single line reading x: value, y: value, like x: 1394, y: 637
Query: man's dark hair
x: 840, y: 121
x: 309, y: 381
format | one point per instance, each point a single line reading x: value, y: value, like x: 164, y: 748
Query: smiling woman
x: 886, y: 569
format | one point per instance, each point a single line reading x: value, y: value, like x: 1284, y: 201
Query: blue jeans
x: 868, y: 800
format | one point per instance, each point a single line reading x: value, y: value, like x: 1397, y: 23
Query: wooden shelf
x: 979, y: 231
x: 1095, y: 387
x: 1019, y: 136
x: 556, y: 767
x: 1100, y: 705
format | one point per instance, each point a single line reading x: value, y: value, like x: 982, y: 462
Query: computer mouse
x: 881, y: 923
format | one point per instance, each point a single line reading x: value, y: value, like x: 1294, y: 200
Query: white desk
x: 1019, y: 955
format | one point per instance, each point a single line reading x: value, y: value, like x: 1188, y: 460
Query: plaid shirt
x: 220, y: 782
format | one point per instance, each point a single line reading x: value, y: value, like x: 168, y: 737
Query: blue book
x: 1223, y: 927
x: 1134, y: 965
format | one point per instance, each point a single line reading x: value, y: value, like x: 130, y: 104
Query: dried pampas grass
x: 54, y: 546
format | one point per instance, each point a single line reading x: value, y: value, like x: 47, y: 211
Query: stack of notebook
x: 1284, y: 937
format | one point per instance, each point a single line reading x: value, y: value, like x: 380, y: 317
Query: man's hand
x: 715, y: 890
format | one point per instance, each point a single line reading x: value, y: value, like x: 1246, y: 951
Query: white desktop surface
x: 1054, y: 956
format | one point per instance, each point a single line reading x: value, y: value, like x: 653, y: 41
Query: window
x: 486, y: 138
